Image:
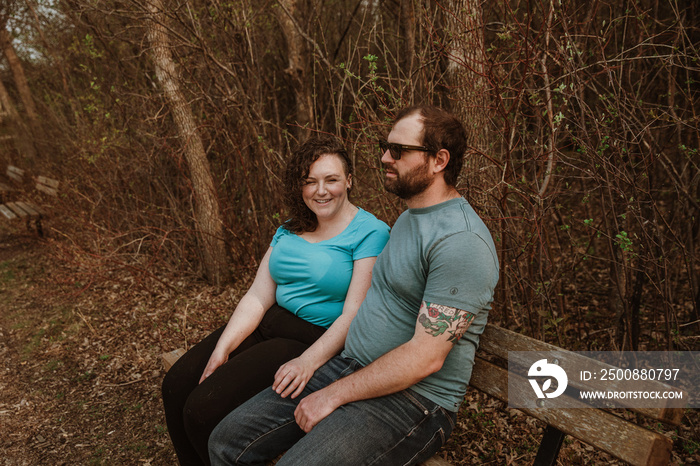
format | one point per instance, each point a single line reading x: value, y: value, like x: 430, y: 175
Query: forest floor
x: 80, y: 342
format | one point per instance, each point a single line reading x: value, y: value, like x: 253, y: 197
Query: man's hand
x: 313, y: 409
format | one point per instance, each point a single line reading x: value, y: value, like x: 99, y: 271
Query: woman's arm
x: 291, y: 377
x: 246, y: 317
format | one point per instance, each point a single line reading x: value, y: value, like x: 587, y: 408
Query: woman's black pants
x: 192, y: 410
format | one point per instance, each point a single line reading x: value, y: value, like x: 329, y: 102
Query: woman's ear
x: 348, y: 183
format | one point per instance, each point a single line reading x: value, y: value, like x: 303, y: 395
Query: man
x: 392, y: 395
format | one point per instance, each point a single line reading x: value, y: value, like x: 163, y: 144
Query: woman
x: 296, y: 314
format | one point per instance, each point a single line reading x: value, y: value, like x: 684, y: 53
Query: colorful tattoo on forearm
x: 438, y: 319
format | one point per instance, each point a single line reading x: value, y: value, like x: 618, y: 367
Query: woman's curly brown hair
x: 302, y: 219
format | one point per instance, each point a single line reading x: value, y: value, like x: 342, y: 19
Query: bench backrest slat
x: 499, y: 341
x: 47, y: 185
x: 15, y: 173
x: 47, y: 181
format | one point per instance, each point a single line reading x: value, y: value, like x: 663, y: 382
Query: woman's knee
x: 184, y: 375
x: 174, y: 386
x: 201, y: 413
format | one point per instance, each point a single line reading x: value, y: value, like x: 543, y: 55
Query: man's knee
x: 222, y: 448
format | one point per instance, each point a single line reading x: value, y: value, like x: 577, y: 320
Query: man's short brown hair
x: 441, y: 130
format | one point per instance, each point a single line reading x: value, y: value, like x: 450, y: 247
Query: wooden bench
x: 14, y: 173
x: 171, y: 358
x: 566, y: 415
x: 563, y: 415
x: 26, y: 210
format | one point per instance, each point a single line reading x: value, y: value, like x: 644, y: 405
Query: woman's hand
x: 292, y: 377
x: 215, y: 360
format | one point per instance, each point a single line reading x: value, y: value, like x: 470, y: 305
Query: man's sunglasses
x: 395, y: 150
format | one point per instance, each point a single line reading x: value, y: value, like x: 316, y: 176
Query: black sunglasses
x: 395, y: 150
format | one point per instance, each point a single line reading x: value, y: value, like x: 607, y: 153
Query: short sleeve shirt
x: 442, y: 254
x: 313, y: 278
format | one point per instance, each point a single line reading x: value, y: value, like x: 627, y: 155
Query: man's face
x: 410, y: 175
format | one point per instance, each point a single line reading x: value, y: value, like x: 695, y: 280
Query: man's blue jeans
x: 399, y: 429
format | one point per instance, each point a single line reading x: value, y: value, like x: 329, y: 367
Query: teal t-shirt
x: 442, y: 254
x: 313, y: 278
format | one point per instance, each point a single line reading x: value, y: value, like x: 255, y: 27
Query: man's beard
x: 410, y: 184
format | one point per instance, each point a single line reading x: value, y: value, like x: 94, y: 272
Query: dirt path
x: 81, y: 372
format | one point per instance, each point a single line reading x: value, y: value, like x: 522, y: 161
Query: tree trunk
x: 298, y: 62
x: 207, y: 215
x: 465, y: 71
x: 408, y: 30
x: 22, y: 137
x: 27, y: 135
x: 20, y: 80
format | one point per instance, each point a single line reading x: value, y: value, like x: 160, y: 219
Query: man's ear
x: 441, y: 159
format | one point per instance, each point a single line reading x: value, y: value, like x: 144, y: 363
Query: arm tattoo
x: 438, y: 319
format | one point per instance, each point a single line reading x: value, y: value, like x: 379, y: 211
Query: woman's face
x: 325, y: 190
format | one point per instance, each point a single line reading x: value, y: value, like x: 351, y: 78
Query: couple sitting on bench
x: 391, y: 396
